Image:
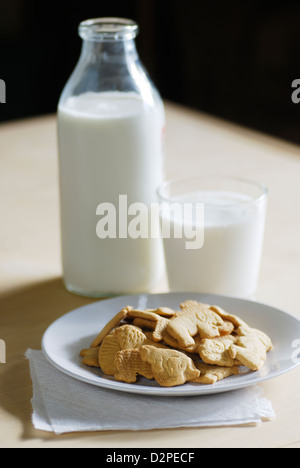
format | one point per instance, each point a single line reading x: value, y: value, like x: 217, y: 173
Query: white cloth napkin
x: 62, y: 404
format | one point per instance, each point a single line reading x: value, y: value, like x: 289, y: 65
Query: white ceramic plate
x: 76, y: 330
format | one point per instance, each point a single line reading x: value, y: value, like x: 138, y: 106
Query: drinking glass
x: 225, y: 255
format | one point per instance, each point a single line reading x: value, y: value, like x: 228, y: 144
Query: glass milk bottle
x: 110, y: 133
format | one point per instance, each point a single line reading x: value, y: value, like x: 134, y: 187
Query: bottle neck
x: 118, y: 51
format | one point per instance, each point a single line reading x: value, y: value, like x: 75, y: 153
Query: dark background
x: 234, y: 60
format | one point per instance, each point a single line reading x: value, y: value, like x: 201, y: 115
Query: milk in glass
x: 228, y: 263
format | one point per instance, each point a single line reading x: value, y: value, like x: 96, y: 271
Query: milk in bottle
x: 110, y: 131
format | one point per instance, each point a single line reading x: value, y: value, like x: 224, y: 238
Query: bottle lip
x: 108, y: 29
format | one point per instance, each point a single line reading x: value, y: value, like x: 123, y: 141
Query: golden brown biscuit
x: 163, y: 312
x: 124, y: 337
x: 227, y: 328
x: 234, y: 319
x: 213, y: 374
x: 158, y: 327
x: 170, y: 367
x: 129, y: 365
x: 170, y: 341
x: 144, y: 314
x: 251, y: 348
x: 222, y: 340
x: 149, y: 341
x: 144, y: 323
x: 115, y: 321
x: 159, y: 330
x: 90, y: 357
x: 107, y: 353
x: 216, y: 351
x: 129, y: 336
x: 194, y: 319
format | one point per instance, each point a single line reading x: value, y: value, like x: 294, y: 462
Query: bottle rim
x: 108, y: 29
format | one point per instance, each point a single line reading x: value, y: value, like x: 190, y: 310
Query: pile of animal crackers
x: 200, y: 344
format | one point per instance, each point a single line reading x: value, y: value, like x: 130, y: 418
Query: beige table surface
x: 32, y: 295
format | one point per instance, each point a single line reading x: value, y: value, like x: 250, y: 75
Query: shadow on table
x: 25, y: 314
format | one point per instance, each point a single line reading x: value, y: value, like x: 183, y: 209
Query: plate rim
x: 165, y: 391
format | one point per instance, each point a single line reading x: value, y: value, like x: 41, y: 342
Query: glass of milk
x: 225, y: 255
x: 111, y: 124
